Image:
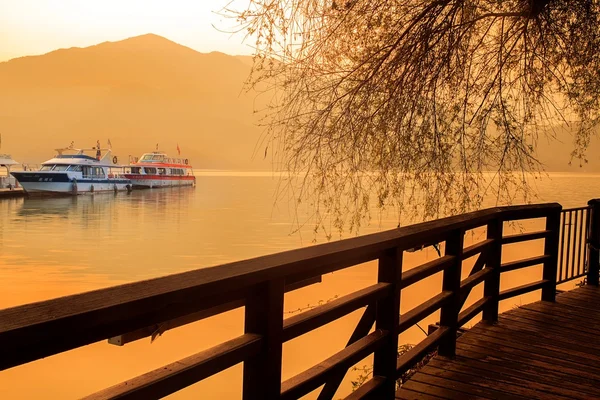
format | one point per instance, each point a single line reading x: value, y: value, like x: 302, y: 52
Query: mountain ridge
x: 148, y: 89
x: 136, y: 92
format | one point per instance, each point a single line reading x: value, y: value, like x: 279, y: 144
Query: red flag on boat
x: 178, y: 150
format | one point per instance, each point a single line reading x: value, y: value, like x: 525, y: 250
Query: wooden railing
x: 573, y: 249
x: 576, y: 239
x: 132, y: 311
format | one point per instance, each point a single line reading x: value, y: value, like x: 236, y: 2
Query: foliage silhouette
x: 424, y: 106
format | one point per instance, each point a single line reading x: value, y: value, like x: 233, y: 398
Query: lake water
x: 60, y: 246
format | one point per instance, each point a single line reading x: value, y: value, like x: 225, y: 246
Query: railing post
x: 264, y: 316
x: 388, y: 318
x: 594, y: 243
x: 491, y: 286
x: 451, y: 282
x: 551, y: 249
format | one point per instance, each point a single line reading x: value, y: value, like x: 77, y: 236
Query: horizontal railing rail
x: 133, y: 311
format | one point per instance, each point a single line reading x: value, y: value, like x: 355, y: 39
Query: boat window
x: 46, y: 167
x: 74, y: 168
x: 147, y: 157
x: 135, y: 170
x: 150, y: 170
x: 93, y: 172
x: 61, y: 167
x: 99, y: 172
x: 158, y: 157
x: 162, y: 171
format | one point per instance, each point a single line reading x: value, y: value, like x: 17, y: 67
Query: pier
x: 546, y: 349
x: 12, y: 193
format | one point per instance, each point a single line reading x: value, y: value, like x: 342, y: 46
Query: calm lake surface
x: 60, y: 246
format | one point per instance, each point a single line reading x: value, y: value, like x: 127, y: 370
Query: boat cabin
x: 87, y: 171
x: 158, y: 163
x: 159, y: 171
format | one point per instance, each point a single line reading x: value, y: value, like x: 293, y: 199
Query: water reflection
x: 54, y: 247
x: 52, y: 207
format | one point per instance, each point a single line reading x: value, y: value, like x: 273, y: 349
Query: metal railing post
x: 593, y: 241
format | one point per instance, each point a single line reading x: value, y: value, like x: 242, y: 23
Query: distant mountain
x: 137, y: 92
x: 147, y: 90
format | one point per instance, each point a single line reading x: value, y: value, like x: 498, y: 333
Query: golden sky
x: 30, y: 27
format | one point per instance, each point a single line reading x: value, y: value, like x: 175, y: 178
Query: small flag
x: 109, y: 144
x: 178, y: 150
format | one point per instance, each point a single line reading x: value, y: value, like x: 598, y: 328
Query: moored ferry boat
x: 71, y: 171
x: 157, y: 169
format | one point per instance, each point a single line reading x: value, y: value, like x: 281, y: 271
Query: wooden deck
x: 537, y: 351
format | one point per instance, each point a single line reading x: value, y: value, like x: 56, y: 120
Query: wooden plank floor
x: 537, y: 351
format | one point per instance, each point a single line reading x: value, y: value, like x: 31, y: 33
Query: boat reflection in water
x: 60, y: 207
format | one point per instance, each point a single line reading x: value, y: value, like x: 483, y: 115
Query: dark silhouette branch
x: 424, y: 106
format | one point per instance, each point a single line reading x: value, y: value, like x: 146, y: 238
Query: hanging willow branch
x: 426, y: 106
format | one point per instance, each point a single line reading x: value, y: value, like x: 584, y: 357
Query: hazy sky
x: 29, y: 27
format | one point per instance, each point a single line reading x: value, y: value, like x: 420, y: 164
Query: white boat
x: 7, y: 162
x: 157, y: 169
x: 72, y: 171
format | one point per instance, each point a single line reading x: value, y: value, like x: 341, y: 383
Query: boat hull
x: 40, y: 183
x: 159, y: 181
